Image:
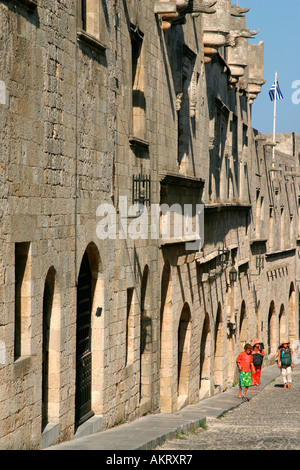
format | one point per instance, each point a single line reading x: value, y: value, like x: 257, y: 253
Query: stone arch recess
x: 243, y: 327
x: 166, y: 342
x: 184, y: 359
x: 292, y: 314
x: 219, y: 350
x: 205, y: 359
x: 51, y: 350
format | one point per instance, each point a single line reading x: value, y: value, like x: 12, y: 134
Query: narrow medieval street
x: 269, y: 421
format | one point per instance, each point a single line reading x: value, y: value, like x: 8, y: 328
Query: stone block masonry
x: 102, y: 100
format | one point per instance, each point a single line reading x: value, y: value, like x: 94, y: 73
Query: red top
x: 245, y: 360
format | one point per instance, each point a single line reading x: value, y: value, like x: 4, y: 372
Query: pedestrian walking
x: 258, y: 357
x: 285, y: 363
x: 245, y: 365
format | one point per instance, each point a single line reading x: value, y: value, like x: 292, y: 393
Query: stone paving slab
x: 151, y: 431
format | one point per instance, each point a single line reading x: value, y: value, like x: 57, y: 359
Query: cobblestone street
x: 269, y: 421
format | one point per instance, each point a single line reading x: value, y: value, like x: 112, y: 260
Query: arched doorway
x: 50, y: 351
x: 83, y: 398
x: 205, y: 359
x: 166, y: 343
x: 184, y: 336
x: 272, y: 348
x: 243, y: 328
x: 145, y: 339
x: 258, y: 321
x: 282, y: 324
x: 292, y: 316
x: 219, y: 350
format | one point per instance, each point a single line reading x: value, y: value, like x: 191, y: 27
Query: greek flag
x: 279, y: 95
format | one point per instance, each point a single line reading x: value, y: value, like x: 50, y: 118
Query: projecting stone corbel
x: 260, y: 138
x: 181, y: 4
x: 168, y: 12
x: 161, y: 8
x: 254, y: 88
x: 269, y: 143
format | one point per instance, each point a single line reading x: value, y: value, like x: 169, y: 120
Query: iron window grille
x: 141, y: 188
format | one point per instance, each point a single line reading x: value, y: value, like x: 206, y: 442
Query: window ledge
x: 138, y: 142
x: 93, y: 42
x: 178, y: 240
x: 284, y: 252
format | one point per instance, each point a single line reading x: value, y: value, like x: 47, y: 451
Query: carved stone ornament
x: 178, y: 101
x: 199, y: 6
x: 236, y: 10
x: 193, y: 95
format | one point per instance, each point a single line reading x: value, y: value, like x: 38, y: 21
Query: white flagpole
x: 274, y: 118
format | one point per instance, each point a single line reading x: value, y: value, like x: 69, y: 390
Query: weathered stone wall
x: 86, y: 106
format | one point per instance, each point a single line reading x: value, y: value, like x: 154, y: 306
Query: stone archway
x: 167, y: 379
x: 272, y: 329
x: 258, y: 321
x: 219, y: 351
x: 184, y: 359
x: 205, y: 359
x: 292, y: 314
x: 83, y: 397
x: 145, y: 339
x: 282, y: 324
x: 89, y: 334
x: 51, y: 351
x: 243, y: 327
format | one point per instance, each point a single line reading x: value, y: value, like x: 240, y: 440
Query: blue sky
x: 279, y: 27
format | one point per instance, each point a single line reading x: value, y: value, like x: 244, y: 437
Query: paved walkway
x: 151, y: 431
x: 270, y: 421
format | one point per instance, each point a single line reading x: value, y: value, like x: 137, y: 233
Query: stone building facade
x: 110, y: 307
